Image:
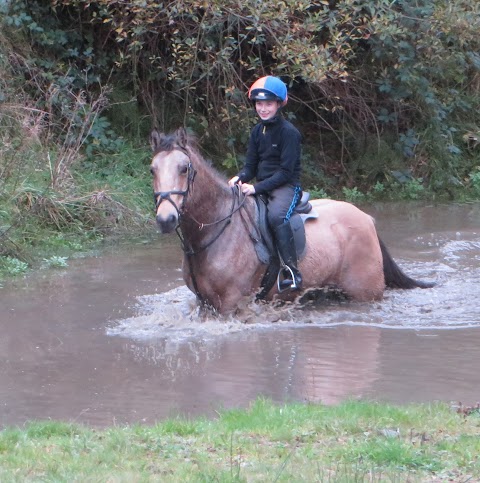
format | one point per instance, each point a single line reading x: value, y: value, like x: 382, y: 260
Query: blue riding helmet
x: 268, y: 88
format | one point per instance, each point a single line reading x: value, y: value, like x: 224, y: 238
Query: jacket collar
x: 271, y: 121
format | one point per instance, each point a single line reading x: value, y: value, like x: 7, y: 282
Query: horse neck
x: 209, y: 201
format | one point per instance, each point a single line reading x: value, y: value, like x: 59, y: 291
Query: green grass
x: 355, y: 441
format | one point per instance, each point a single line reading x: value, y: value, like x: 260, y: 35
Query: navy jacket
x: 273, y: 155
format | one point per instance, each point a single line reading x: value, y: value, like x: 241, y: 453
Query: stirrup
x: 281, y: 279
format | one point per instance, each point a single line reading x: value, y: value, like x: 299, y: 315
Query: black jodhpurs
x: 281, y: 204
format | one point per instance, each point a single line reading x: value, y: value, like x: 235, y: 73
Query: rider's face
x: 267, y: 109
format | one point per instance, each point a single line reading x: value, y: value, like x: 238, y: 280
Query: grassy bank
x: 99, y: 201
x: 354, y: 441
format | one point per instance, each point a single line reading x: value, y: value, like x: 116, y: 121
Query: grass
x: 355, y: 441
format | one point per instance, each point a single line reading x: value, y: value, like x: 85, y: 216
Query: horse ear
x: 182, y: 137
x: 156, y: 139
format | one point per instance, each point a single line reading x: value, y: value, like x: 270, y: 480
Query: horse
x: 217, y: 228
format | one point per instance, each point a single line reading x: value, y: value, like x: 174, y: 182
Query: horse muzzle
x: 168, y: 223
x: 168, y: 214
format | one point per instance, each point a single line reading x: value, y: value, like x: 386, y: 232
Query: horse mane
x: 169, y: 142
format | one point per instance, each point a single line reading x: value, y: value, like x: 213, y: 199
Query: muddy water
x: 118, y: 339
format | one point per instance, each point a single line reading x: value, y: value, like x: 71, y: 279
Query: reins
x: 233, y: 210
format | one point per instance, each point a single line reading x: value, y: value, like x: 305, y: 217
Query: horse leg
x: 224, y: 289
x: 361, y: 274
x: 366, y: 286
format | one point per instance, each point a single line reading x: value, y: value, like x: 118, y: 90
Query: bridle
x: 159, y: 196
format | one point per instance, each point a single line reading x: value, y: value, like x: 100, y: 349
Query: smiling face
x: 267, y: 109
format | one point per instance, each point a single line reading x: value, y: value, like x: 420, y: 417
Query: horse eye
x: 184, y: 170
x: 152, y: 171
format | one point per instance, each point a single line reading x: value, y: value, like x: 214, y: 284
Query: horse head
x: 173, y: 176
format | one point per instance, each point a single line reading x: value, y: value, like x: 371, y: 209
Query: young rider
x: 273, y: 158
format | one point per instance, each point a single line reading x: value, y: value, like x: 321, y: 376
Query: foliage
x: 353, y: 195
x: 474, y: 179
x: 352, y: 67
x: 56, y: 262
x: 428, y: 69
x: 12, y: 266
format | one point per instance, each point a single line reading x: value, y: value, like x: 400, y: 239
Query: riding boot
x: 289, y: 276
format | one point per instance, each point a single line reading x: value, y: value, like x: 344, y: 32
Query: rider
x: 273, y: 158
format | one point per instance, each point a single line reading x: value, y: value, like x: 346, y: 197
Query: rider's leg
x: 281, y: 204
x: 292, y: 278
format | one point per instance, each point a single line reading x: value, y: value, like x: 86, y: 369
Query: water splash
x: 450, y: 304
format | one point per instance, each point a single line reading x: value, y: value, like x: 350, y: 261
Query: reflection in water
x: 328, y: 368
x: 341, y: 370
x: 119, y: 338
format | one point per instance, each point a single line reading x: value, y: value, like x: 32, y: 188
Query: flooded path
x: 118, y: 339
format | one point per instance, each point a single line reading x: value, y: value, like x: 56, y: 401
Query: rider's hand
x: 248, y: 189
x: 233, y: 181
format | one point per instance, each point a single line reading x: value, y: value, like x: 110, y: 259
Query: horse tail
x: 394, y: 276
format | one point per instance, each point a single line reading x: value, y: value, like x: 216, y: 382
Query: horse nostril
x: 167, y: 224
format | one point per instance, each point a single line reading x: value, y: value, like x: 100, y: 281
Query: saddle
x: 265, y: 245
